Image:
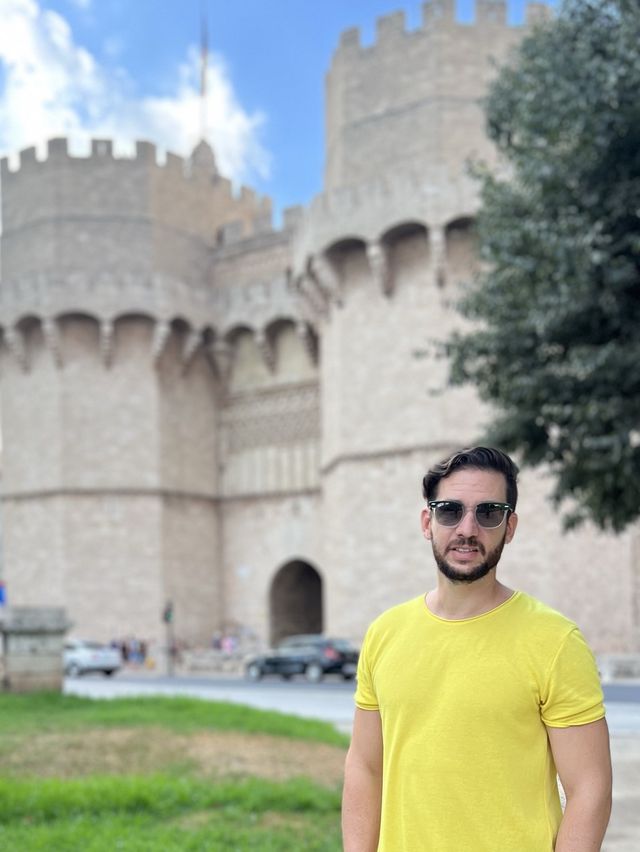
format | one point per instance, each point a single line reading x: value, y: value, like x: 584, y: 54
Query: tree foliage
x: 555, y: 340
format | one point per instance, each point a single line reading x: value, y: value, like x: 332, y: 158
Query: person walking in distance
x: 472, y: 699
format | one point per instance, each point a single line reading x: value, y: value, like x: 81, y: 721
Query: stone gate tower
x: 200, y: 408
x: 383, y: 252
x: 110, y: 402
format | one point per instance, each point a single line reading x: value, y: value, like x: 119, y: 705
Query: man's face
x: 467, y: 552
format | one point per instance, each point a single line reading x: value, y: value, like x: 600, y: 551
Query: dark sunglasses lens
x: 449, y: 514
x: 489, y: 515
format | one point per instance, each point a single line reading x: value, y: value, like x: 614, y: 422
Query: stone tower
x: 384, y: 251
x: 110, y: 399
x: 199, y: 408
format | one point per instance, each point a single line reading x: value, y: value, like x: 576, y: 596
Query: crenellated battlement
x: 198, y: 199
x: 146, y: 153
x: 412, y: 97
x: 369, y: 211
x: 437, y: 15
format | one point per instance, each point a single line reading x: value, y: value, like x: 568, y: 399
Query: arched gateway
x: 295, y: 601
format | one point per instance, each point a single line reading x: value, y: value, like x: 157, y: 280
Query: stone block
x: 32, y: 642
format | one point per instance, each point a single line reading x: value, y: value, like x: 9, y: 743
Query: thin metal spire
x: 204, y: 60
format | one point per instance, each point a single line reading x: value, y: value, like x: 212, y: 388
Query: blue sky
x: 129, y: 69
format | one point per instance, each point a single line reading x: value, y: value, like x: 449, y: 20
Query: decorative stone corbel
x: 378, y: 257
x: 265, y: 347
x: 161, y: 334
x: 437, y: 247
x: 51, y: 334
x: 323, y: 273
x: 14, y: 338
x: 308, y: 339
x: 305, y: 313
x: 191, y: 344
x: 307, y: 287
x: 106, y: 342
x: 222, y: 355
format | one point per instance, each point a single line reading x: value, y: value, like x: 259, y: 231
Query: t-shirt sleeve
x: 573, y: 694
x: 365, y: 697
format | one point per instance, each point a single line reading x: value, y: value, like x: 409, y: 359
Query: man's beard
x: 491, y: 560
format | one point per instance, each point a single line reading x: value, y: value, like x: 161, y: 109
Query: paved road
x: 332, y: 701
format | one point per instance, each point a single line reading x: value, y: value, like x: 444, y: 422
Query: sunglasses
x: 449, y: 513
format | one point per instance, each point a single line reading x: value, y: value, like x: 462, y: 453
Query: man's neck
x: 455, y: 601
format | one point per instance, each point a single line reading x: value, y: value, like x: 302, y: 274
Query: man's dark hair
x: 479, y: 458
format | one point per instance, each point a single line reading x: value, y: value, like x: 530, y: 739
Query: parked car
x: 81, y: 656
x: 314, y: 656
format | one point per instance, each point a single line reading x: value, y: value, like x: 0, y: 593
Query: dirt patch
x: 267, y: 757
x: 147, y: 750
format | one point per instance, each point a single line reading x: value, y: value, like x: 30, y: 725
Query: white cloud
x: 54, y: 87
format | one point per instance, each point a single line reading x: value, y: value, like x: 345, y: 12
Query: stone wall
x: 110, y: 479
x: 31, y: 648
x: 260, y: 537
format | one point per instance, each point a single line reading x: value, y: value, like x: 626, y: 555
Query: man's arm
x: 583, y: 761
x: 362, y: 796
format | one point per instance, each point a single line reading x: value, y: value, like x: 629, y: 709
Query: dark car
x: 314, y: 656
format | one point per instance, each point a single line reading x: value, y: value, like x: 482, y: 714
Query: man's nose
x: 468, y: 525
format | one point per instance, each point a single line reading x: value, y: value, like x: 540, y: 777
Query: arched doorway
x: 295, y: 601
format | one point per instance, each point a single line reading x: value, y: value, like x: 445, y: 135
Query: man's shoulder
x: 542, y: 615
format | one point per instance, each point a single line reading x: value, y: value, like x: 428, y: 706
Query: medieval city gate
x: 295, y: 601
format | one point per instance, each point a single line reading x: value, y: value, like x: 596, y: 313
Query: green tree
x: 555, y: 340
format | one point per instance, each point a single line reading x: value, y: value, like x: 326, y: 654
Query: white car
x: 81, y: 656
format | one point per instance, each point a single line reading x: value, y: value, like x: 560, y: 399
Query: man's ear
x: 425, y: 523
x: 512, y: 523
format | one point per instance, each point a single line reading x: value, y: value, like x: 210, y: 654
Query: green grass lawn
x: 48, y: 711
x: 165, y: 774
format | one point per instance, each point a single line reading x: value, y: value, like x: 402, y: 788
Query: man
x: 473, y: 698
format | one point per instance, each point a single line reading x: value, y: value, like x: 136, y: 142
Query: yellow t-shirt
x: 464, y: 704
